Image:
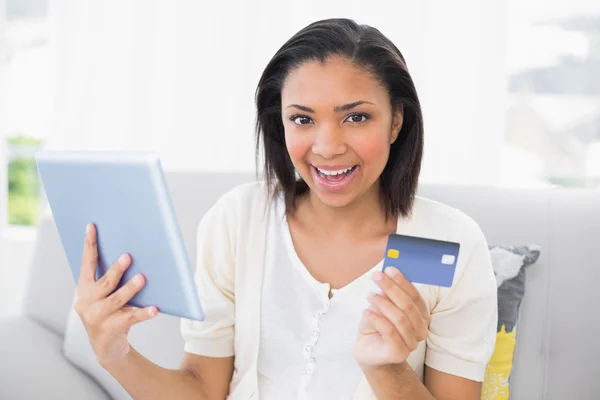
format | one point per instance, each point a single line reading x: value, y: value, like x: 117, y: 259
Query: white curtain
x: 3, y: 151
x: 4, y: 270
x: 178, y: 77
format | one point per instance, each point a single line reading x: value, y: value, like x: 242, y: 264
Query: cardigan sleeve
x: 214, y: 278
x: 462, y: 332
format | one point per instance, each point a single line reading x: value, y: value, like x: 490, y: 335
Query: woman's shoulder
x: 445, y: 220
x: 243, y: 197
x: 239, y: 205
x: 246, y: 191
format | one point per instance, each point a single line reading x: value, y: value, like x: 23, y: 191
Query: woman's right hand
x: 105, y: 315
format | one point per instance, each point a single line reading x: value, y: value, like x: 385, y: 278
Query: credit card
x: 421, y: 260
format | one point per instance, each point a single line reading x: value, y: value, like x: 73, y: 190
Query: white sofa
x: 557, y: 345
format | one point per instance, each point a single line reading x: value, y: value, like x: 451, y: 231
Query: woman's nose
x: 329, y: 142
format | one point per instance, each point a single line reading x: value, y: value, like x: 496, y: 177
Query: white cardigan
x: 231, y: 255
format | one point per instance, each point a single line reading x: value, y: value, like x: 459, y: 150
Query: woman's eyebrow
x: 350, y: 106
x: 303, y: 108
x: 344, y: 107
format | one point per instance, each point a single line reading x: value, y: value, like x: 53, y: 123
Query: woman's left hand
x: 394, y: 325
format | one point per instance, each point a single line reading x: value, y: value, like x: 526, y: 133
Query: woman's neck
x: 364, y: 217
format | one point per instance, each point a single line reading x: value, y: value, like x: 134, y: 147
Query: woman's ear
x: 397, y: 120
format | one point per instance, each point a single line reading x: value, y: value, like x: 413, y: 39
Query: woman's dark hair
x: 370, y: 50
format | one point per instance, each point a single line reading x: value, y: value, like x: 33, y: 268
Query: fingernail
x: 123, y: 259
x: 371, y: 296
x: 391, y: 272
x: 377, y: 276
x: 152, y: 311
x: 137, y: 280
x: 88, y: 228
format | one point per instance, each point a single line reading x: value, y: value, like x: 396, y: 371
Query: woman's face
x: 338, y: 128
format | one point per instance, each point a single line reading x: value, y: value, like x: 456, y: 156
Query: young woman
x: 289, y: 270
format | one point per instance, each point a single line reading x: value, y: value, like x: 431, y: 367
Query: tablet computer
x: 126, y: 196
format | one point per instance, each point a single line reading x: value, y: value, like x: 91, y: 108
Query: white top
x: 232, y: 243
x: 306, y: 339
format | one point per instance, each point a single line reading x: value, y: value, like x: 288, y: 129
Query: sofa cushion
x: 158, y: 339
x: 32, y: 365
x: 51, y: 284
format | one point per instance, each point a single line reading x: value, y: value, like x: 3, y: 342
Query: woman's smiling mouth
x: 334, y: 178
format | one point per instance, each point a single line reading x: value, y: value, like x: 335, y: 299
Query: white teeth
x: 333, y: 173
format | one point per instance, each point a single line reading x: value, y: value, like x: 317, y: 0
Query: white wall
x: 179, y: 77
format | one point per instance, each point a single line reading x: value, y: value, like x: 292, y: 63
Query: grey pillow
x: 509, y: 264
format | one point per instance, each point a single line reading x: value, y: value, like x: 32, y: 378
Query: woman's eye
x: 357, y: 118
x: 301, y: 120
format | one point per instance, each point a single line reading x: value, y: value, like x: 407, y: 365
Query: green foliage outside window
x: 23, y: 181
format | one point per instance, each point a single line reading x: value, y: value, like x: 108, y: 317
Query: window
x: 553, y: 114
x: 27, y: 106
x: 23, y: 180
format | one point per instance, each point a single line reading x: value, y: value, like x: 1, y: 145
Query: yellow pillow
x: 495, y: 384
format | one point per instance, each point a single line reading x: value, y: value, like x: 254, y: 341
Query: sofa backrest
x: 557, y: 328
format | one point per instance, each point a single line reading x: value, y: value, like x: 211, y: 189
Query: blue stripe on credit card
x: 421, y: 260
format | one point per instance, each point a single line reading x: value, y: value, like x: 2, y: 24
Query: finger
x: 410, y: 289
x: 120, y: 298
x: 387, y: 331
x: 365, y: 326
x: 392, y: 280
x: 373, y: 307
x: 134, y: 316
x: 109, y: 281
x: 89, y: 260
x: 403, y: 323
x: 96, y: 313
x: 401, y: 300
